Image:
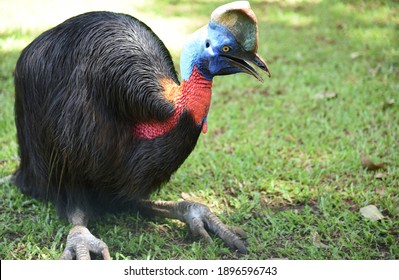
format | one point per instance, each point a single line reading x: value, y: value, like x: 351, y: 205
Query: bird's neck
x: 196, y: 97
x: 193, y: 95
x: 191, y: 54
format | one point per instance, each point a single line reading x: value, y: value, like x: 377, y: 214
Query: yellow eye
x: 226, y: 49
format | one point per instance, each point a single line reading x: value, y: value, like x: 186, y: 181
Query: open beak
x: 242, y: 63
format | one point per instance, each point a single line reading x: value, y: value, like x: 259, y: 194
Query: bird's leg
x: 199, y: 218
x: 80, y: 241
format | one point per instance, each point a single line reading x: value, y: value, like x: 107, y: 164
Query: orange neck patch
x: 193, y: 95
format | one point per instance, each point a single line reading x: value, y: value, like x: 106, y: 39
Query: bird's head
x: 226, y: 45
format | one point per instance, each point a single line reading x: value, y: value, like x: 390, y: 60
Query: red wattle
x: 193, y: 95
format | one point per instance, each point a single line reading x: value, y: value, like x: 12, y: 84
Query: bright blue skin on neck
x: 204, y: 50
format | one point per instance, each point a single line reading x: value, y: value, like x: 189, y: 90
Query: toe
x: 82, y: 251
x: 240, y: 246
x: 197, y: 229
x: 238, y: 231
x: 105, y: 254
x: 68, y: 254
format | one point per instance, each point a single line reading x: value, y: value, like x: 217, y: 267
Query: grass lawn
x: 291, y: 161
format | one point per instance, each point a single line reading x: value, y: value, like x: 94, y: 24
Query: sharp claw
x: 233, y: 241
x: 240, y: 246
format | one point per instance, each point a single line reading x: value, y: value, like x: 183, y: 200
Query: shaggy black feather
x: 79, y: 89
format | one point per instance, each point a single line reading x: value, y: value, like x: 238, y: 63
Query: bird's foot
x: 200, y: 219
x: 80, y: 242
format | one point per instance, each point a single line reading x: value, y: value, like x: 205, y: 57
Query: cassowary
x: 103, y: 121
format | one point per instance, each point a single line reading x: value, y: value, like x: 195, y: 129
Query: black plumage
x: 79, y: 87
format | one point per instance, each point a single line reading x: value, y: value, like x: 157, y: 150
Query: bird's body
x: 102, y: 119
x: 124, y: 154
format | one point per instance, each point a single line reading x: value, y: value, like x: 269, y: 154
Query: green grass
x: 277, y: 161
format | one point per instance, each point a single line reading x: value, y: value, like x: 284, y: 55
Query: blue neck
x: 191, y: 54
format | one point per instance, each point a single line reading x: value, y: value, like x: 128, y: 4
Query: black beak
x: 242, y: 60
